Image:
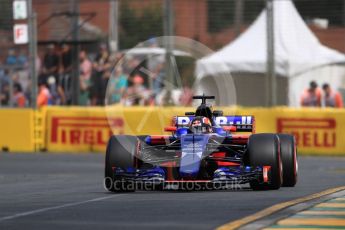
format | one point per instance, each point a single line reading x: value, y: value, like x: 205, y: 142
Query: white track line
x: 33, y: 212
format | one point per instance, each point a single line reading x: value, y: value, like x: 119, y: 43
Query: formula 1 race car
x: 204, y: 148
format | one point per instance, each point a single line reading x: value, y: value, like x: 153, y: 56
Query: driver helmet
x: 200, y: 125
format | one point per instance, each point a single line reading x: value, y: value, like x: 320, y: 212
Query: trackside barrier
x: 75, y: 129
x: 317, y: 131
x: 16, y: 130
x: 80, y: 129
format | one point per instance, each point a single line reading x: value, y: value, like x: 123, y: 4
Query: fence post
x: 271, y: 92
x: 33, y: 53
x: 75, y: 54
x: 168, y: 32
x: 113, y: 23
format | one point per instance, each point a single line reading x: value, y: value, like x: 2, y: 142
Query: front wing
x: 223, y: 175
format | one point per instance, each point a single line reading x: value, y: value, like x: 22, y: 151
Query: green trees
x: 6, y: 18
x: 135, y: 27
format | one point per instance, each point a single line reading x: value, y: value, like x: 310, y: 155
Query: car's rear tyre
x: 264, y: 150
x: 289, y: 159
x: 120, y: 153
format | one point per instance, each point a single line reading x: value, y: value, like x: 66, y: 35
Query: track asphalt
x: 65, y: 191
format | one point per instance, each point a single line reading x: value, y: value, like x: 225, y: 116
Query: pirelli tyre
x: 289, y: 159
x: 120, y: 153
x: 264, y: 150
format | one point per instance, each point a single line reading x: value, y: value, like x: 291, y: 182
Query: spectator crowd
x: 14, y: 79
x: 317, y: 97
x: 132, y: 82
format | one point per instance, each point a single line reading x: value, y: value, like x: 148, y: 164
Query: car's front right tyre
x: 264, y: 150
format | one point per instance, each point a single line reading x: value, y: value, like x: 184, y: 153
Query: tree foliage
x: 6, y: 17
x: 140, y: 26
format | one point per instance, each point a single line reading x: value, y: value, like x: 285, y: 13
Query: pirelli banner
x: 317, y: 131
x: 76, y: 129
x: 85, y: 129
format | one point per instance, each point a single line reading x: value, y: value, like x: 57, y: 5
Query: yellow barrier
x: 79, y: 129
x: 17, y: 127
x: 317, y: 131
x: 87, y: 129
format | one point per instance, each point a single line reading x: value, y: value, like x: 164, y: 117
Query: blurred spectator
x: 85, y: 77
x: 4, y: 77
x: 158, y: 79
x: 105, y: 79
x: 11, y: 58
x: 44, y: 96
x: 38, y: 64
x: 50, y: 64
x: 5, y: 94
x: 66, y: 59
x: 57, y: 96
x: 22, y: 58
x: 137, y: 93
x: 21, y: 74
x: 311, y: 97
x: 5, y: 87
x: 331, y: 98
x: 131, y: 65
x: 19, y: 99
x: 118, y: 86
x: 186, y: 98
x: 100, y: 65
x: 65, y: 71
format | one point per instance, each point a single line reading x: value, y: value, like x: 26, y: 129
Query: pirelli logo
x: 83, y: 130
x: 310, y: 132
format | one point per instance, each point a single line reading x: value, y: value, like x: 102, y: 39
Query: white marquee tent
x: 300, y: 58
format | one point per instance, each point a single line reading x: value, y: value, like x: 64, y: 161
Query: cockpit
x: 200, y: 125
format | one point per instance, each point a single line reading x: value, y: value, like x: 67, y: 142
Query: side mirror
x: 170, y: 129
x: 217, y: 113
x: 229, y: 128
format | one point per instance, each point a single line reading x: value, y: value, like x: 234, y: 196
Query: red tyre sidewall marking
x: 280, y: 163
x: 295, y: 165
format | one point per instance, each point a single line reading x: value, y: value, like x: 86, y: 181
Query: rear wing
x: 242, y: 123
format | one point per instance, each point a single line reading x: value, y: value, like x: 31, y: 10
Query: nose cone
x: 193, y: 147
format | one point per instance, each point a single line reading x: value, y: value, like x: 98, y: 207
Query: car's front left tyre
x: 120, y: 153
